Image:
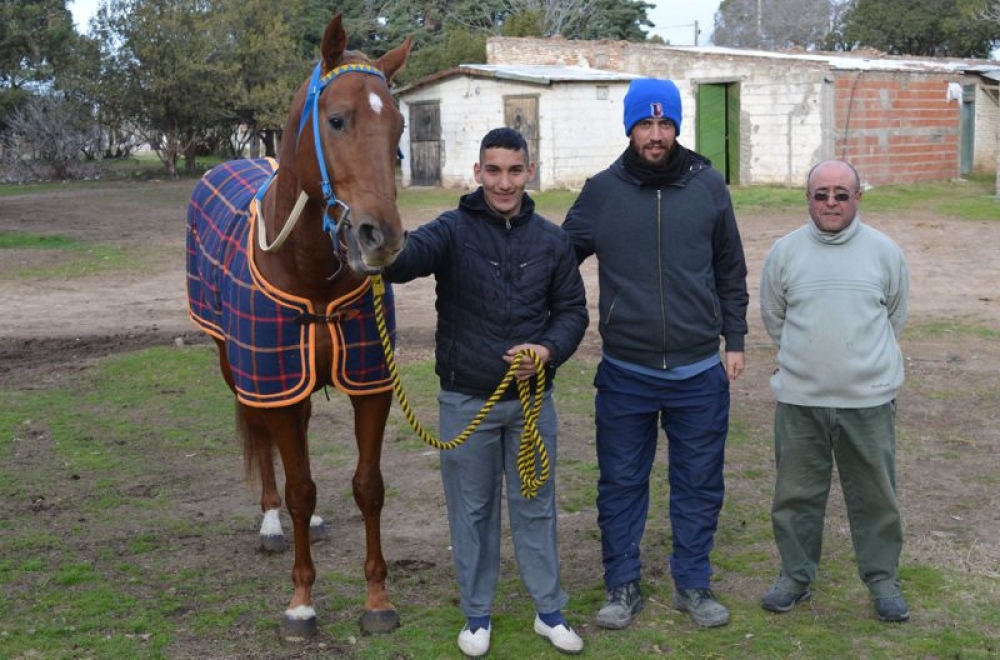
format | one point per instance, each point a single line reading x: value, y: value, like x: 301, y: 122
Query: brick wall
x: 896, y: 127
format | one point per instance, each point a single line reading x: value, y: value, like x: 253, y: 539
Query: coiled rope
x: 532, y: 458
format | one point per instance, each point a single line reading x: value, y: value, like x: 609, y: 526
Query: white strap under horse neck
x: 293, y: 218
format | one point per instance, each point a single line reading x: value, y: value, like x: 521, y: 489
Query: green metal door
x: 717, y: 129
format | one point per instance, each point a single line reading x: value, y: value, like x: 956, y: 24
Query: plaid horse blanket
x: 272, y: 354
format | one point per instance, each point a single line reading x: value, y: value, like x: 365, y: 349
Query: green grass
x: 23, y: 241
x: 79, y: 258
x: 948, y: 329
x: 772, y: 199
x: 99, y: 592
x: 971, y: 199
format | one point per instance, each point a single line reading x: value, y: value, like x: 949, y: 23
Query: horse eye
x: 337, y: 123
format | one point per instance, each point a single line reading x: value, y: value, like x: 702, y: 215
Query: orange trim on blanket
x: 205, y: 326
x: 307, y: 334
x: 338, y: 366
x: 338, y: 362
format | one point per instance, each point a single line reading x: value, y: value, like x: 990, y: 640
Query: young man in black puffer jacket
x: 506, y: 281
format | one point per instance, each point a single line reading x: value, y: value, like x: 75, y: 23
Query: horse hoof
x: 297, y: 630
x: 319, y: 531
x: 378, y: 621
x: 272, y: 542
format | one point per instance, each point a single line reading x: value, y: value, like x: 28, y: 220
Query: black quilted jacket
x: 499, y: 283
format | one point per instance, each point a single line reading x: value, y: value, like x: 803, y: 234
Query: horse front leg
x: 286, y: 428
x: 370, y: 414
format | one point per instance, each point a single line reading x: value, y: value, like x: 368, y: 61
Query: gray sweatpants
x: 473, y: 477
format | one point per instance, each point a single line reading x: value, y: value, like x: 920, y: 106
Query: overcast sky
x: 674, y: 19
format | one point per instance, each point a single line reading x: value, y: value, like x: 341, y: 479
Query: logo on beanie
x: 656, y: 110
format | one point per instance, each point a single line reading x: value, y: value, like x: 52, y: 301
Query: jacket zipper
x: 659, y: 274
x: 508, y: 277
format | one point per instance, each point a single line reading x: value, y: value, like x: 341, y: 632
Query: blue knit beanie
x: 651, y: 97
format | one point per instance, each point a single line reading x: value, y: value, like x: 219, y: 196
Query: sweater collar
x: 836, y: 238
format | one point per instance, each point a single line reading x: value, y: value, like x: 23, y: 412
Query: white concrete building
x: 570, y: 116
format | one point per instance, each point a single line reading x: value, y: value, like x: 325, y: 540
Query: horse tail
x: 256, y: 447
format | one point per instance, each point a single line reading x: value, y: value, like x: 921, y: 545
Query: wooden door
x: 425, y: 144
x: 521, y: 114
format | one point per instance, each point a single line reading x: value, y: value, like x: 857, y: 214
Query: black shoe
x: 703, y: 606
x: 622, y: 605
x: 892, y: 609
x: 781, y: 601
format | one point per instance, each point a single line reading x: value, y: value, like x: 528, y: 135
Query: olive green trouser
x: 863, y: 442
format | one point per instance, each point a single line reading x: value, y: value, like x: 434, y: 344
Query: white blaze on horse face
x: 375, y: 102
x: 271, y: 526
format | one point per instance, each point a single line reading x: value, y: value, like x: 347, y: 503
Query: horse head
x: 347, y: 147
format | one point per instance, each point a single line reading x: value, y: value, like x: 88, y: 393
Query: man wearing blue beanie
x: 672, y: 280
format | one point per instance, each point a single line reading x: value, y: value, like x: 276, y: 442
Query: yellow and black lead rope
x: 532, y: 458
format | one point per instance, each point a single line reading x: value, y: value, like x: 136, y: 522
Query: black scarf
x: 672, y: 170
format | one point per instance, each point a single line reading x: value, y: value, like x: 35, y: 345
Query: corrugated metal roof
x: 545, y: 74
x: 533, y: 74
x: 850, y: 60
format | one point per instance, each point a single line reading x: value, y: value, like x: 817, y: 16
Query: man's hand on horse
x: 526, y: 369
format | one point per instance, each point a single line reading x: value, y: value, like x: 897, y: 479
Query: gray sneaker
x: 781, y: 601
x: 892, y: 609
x: 703, y: 606
x: 622, y: 605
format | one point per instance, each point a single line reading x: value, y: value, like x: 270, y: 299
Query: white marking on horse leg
x: 375, y: 102
x: 316, y: 521
x: 301, y: 612
x: 271, y: 525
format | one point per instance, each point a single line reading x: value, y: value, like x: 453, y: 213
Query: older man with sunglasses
x: 833, y: 296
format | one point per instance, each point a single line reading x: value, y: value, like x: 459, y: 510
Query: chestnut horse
x: 279, y: 256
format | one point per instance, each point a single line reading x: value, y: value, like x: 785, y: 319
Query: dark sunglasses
x: 840, y: 197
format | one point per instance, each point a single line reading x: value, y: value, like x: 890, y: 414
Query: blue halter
x: 317, y: 84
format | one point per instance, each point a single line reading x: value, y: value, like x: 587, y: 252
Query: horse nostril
x: 370, y: 236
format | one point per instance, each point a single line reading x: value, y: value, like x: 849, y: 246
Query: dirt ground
x: 948, y: 411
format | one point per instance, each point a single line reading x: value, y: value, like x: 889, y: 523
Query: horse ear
x: 393, y: 61
x: 334, y: 43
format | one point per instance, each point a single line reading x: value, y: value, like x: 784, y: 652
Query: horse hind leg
x: 258, y: 463
x: 259, y: 455
x: 272, y: 535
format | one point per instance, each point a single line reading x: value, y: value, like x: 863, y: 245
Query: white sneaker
x: 562, y: 636
x: 474, y: 644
